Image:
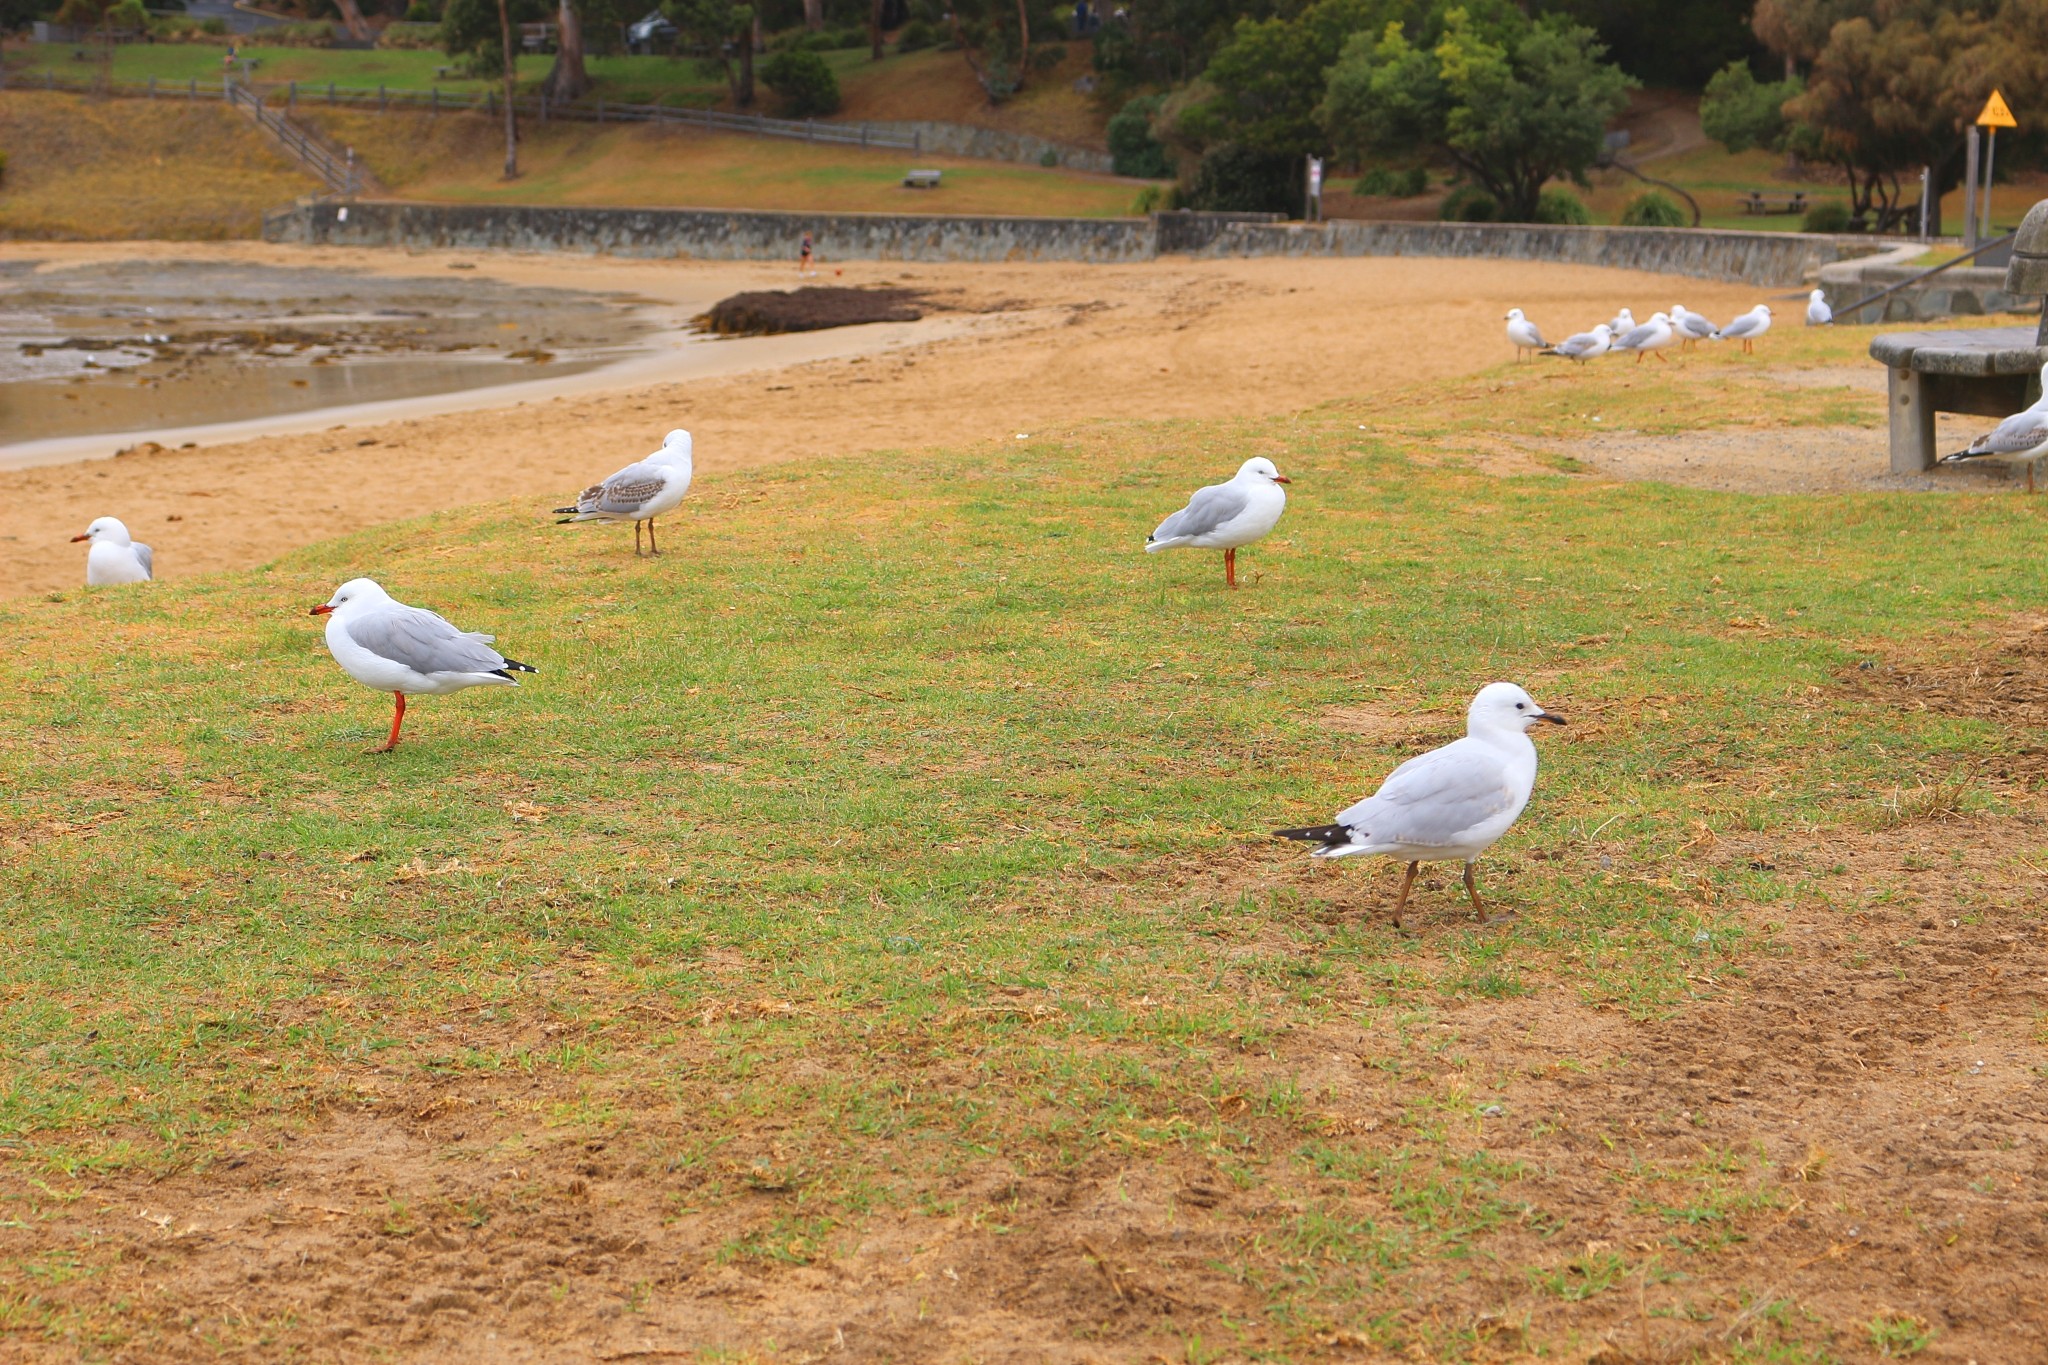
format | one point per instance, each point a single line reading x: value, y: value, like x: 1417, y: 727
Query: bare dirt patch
x: 1779, y: 459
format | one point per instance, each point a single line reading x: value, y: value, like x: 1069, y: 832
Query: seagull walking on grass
x: 1622, y: 323
x: 2020, y: 439
x: 1453, y: 802
x: 1226, y: 516
x: 406, y: 651
x: 1747, y: 328
x: 115, y: 556
x: 1523, y: 333
x: 1690, y: 326
x: 1648, y: 339
x: 1818, y: 314
x: 640, y: 492
x: 1584, y: 346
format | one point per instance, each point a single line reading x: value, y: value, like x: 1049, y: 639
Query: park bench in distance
x: 1989, y: 371
x: 1757, y: 204
x: 922, y: 180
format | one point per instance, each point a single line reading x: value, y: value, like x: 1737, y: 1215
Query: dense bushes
x: 915, y: 36
x: 1469, y: 204
x: 1234, y: 178
x: 1651, y: 209
x: 1393, y: 184
x: 807, y: 86
x: 1829, y: 215
x: 1559, y: 206
x: 1132, y: 149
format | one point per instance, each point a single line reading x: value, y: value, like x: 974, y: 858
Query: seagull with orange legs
x: 406, y: 651
x: 642, y: 491
x: 1227, y: 516
x: 1453, y: 802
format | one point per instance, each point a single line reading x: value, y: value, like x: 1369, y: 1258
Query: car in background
x: 651, y: 34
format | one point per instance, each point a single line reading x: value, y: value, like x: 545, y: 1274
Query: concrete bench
x: 922, y: 180
x: 1990, y: 371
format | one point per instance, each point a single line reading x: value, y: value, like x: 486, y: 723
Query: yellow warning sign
x: 1996, y: 114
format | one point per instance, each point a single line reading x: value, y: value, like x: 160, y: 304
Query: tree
x: 511, y: 91
x: 1513, y: 102
x: 998, y: 55
x: 352, y: 18
x: 1740, y: 112
x: 803, y: 80
x: 1671, y: 43
x: 728, y: 30
x: 566, y: 79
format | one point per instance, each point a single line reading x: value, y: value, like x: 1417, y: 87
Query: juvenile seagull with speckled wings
x: 640, y: 492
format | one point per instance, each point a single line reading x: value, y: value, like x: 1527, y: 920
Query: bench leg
x: 1912, y: 434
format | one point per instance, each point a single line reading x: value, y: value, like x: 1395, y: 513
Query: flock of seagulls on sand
x: 1680, y: 327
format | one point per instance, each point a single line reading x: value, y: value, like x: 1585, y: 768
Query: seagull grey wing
x: 1433, y: 798
x: 1636, y: 337
x: 1697, y: 326
x: 147, y: 556
x: 423, y: 642
x: 1210, y: 508
x: 2016, y: 435
x: 625, y: 492
x: 1575, y: 345
x: 1740, y: 327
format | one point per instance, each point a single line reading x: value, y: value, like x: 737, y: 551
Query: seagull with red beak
x: 1226, y: 516
x: 406, y: 651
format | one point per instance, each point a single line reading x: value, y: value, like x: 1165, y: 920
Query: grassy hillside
x: 80, y: 168
x: 865, y: 918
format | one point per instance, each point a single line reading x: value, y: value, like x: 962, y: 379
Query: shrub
x: 807, y: 86
x: 1469, y: 204
x: 1132, y: 148
x: 1047, y: 57
x: 915, y: 36
x: 1651, y: 209
x: 1829, y: 215
x: 1393, y: 184
x: 423, y: 12
x: 410, y: 35
x: 1237, y: 179
x: 1561, y: 207
x: 1149, y: 200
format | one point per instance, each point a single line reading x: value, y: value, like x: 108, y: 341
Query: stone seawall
x: 1961, y: 292
x: 1767, y: 259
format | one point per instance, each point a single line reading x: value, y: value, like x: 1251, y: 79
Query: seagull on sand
x: 1584, y: 346
x: 405, y: 651
x: 1818, y: 314
x: 1224, y: 516
x: 2020, y: 439
x: 1747, y: 328
x: 1690, y: 326
x: 1523, y: 333
x: 640, y: 492
x: 114, y: 556
x: 1452, y: 802
x: 1622, y: 323
x: 1648, y: 339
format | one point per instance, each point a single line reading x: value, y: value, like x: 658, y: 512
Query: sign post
x: 1970, y: 188
x: 1315, y: 190
x: 1996, y: 114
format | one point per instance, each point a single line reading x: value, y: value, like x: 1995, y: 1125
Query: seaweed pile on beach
x: 810, y: 309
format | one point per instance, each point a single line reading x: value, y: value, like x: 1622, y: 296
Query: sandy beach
x: 1013, y: 348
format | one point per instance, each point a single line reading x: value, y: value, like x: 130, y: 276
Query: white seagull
x: 405, y: 651
x: 1523, y: 333
x: 1648, y: 339
x: 640, y: 492
x: 1747, y: 328
x: 114, y: 556
x: 1584, y: 346
x: 2020, y: 439
x: 1622, y: 323
x: 1690, y: 326
x: 1452, y: 802
x: 1818, y: 314
x: 1224, y: 516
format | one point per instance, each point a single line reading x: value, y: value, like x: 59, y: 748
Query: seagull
x: 1584, y: 346
x: 114, y: 557
x: 1648, y: 339
x: 1622, y: 323
x: 640, y: 492
x: 1452, y: 802
x: 404, y: 650
x: 1818, y: 314
x: 1747, y: 328
x: 1224, y: 516
x: 2020, y: 439
x: 1523, y: 333
x: 1690, y: 326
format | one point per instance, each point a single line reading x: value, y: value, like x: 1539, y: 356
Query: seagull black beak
x: 1552, y: 717
x: 320, y: 610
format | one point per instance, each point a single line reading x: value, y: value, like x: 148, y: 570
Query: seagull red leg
x: 652, y: 547
x: 1401, y: 901
x: 397, y: 719
x: 1230, y: 568
x: 636, y: 540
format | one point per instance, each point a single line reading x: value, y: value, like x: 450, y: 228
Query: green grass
x: 913, y: 815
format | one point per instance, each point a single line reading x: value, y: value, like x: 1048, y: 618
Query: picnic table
x: 1988, y: 371
x: 1757, y: 204
x: 922, y: 180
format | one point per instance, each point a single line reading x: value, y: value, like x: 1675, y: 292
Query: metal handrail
x: 1925, y: 274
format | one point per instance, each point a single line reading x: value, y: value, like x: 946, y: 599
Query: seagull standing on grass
x: 1690, y: 326
x: 1452, y: 802
x: 1747, y: 328
x: 1224, y: 516
x: 1584, y: 346
x: 640, y: 492
x: 1648, y: 339
x: 1818, y: 314
x: 2020, y: 439
x: 1622, y: 323
x: 114, y: 556
x: 1523, y: 333
x: 404, y: 650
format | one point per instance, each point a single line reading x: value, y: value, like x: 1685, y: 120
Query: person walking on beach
x: 803, y: 260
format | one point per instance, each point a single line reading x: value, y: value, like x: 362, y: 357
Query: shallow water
x: 141, y: 346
